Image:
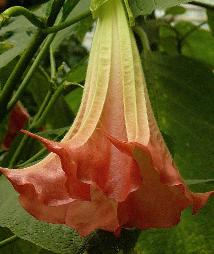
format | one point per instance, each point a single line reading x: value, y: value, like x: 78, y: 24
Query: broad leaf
x: 68, y: 7
x: 76, y: 76
x: 175, y: 10
x: 18, y: 245
x: 16, y: 36
x: 145, y: 7
x: 77, y: 29
x: 199, y: 44
x: 181, y: 90
x: 38, y: 89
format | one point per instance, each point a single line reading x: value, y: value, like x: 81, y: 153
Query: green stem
x: 143, y: 38
x: 207, y: 6
x: 29, y: 74
x: 44, y: 73
x: 37, y: 61
x: 8, y: 240
x: 18, y: 151
x: 66, y: 24
x: 17, y: 11
x: 55, y: 9
x: 33, y: 158
x: 53, y: 65
x: 17, y: 72
x: 43, y: 106
x: 191, y: 31
x: 38, y: 122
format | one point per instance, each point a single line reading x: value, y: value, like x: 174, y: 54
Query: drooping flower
x: 17, y: 119
x: 112, y: 169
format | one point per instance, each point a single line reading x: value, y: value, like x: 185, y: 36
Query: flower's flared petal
x: 51, y: 214
x: 96, y: 162
x: 84, y: 216
x: 162, y: 196
x: 69, y: 164
x: 44, y: 182
x: 200, y: 200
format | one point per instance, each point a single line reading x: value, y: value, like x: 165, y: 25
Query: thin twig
x: 57, y: 28
x: 8, y: 240
x: 18, y: 11
x: 191, y: 31
x: 203, y: 5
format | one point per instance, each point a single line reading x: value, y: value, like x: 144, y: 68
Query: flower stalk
x: 18, y: 11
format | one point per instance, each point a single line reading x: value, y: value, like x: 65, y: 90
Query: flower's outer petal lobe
x: 87, y: 216
x: 84, y: 216
x: 44, y: 182
x: 99, y: 162
x: 114, y: 172
x: 51, y: 214
x: 69, y: 164
x: 200, y: 200
x: 157, y: 203
x: 124, y: 175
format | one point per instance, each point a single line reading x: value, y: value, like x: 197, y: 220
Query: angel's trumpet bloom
x: 113, y: 168
x: 17, y: 119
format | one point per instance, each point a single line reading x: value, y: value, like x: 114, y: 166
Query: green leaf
x: 68, y: 7
x: 74, y: 99
x: 181, y: 90
x: 55, y: 238
x: 38, y: 89
x: 18, y: 246
x: 78, y: 29
x: 76, y: 75
x: 18, y: 34
x: 145, y: 7
x: 210, y: 15
x: 199, y: 43
x: 175, y: 10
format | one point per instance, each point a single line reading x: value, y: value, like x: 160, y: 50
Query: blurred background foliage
x: 179, y: 69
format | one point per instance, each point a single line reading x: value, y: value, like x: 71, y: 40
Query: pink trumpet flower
x: 112, y: 170
x: 17, y: 119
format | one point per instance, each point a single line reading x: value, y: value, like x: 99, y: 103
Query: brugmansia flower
x: 112, y: 169
x: 17, y: 119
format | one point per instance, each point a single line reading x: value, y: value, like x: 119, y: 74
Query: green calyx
x: 97, y: 4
